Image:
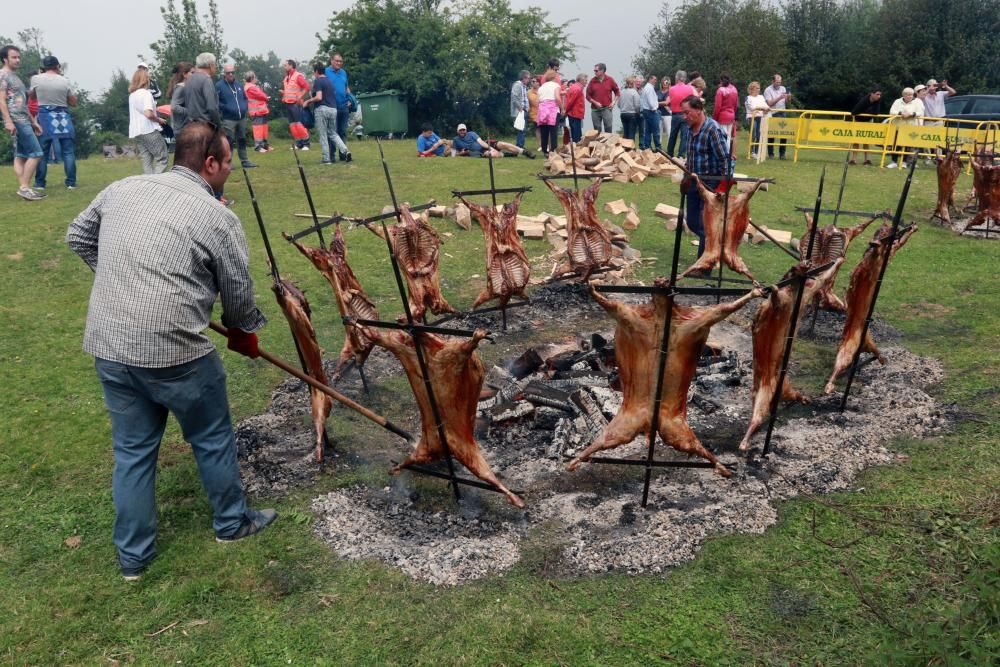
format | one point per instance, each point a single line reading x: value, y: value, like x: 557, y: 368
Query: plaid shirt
x: 161, y: 248
x: 708, y: 152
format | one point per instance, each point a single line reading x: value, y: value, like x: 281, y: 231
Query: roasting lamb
x: 860, y: 293
x: 350, y: 296
x: 296, y: 309
x: 638, y: 338
x: 456, y: 375
x: 771, y: 327
x: 417, y: 248
x: 830, y: 244
x: 507, y: 268
x: 588, y: 243
x: 738, y: 220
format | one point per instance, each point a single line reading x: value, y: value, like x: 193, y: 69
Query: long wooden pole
x: 316, y: 384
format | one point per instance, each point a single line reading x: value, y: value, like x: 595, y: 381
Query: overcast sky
x: 96, y: 37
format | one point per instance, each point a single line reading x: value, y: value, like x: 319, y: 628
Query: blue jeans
x: 755, y: 133
x: 694, y: 216
x: 678, y: 127
x: 630, y: 124
x: 343, y: 115
x: 138, y: 400
x: 67, y: 148
x: 575, y: 129
x: 650, y: 129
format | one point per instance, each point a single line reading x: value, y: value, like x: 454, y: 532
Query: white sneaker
x: 891, y: 165
x: 304, y: 148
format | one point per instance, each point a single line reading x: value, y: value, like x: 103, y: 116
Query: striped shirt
x: 162, y: 248
x: 708, y: 152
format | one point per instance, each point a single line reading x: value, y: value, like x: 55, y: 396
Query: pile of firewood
x: 608, y: 153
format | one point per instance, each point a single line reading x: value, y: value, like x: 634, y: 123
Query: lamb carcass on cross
x: 725, y: 249
x: 588, y: 243
x: 352, y: 301
x: 638, y: 337
x: 507, y: 268
x: 830, y: 244
x: 456, y: 376
x: 860, y: 293
x: 417, y: 248
x: 294, y: 305
x: 948, y: 168
x: 986, y: 184
x: 771, y: 326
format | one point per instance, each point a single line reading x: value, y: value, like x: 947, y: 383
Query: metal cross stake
x: 305, y: 186
x: 416, y: 331
x: 276, y: 278
x: 887, y: 253
x: 793, y: 323
x: 663, y: 353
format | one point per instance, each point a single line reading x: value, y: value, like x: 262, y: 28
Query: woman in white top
x: 144, y: 124
x: 907, y: 110
x: 550, y: 105
x: 754, y: 102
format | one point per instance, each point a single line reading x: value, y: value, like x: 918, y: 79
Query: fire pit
x: 550, y: 388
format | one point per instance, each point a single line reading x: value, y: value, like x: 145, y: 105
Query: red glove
x: 243, y: 342
x: 724, y: 186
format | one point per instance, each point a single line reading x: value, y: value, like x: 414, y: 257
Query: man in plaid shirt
x: 708, y: 156
x: 162, y: 249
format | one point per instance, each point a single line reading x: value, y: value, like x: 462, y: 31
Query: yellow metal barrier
x: 806, y: 129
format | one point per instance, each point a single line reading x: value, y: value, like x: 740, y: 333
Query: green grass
x: 910, y: 577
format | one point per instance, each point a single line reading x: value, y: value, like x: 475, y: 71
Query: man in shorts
x: 24, y: 129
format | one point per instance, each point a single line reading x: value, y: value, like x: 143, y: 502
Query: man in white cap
x: 469, y: 144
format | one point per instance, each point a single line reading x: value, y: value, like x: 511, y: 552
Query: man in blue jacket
x: 233, y: 106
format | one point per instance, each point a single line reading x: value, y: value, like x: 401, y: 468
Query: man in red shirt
x: 602, y: 91
x: 574, y: 107
x: 677, y: 93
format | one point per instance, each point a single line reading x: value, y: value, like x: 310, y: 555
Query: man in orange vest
x: 257, y: 102
x: 293, y: 93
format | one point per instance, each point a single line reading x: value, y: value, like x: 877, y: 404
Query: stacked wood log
x: 608, y: 153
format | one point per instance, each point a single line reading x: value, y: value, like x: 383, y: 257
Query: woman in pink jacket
x: 727, y: 101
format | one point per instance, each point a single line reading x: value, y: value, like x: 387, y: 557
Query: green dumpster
x: 384, y: 113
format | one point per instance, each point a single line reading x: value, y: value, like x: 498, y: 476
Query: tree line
x: 456, y: 63
x: 830, y: 51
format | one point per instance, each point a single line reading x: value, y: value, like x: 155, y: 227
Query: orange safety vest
x: 256, y: 106
x: 293, y: 91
